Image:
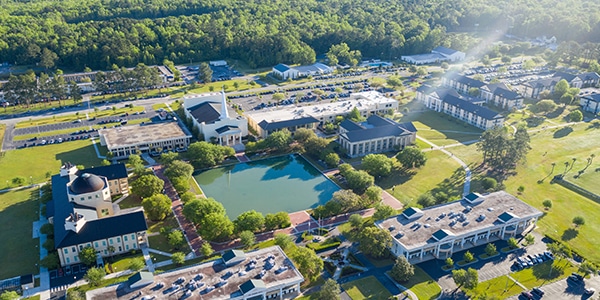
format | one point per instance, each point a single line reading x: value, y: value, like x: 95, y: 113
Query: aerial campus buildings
x: 146, y: 138
x: 439, y: 231
x: 284, y: 72
x: 291, y: 117
x: 437, y: 55
x: 83, y: 214
x: 262, y: 274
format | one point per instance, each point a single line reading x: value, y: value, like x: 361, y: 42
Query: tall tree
x: 205, y: 73
x: 374, y: 241
x: 95, y: 276
x: 48, y: 58
x: 157, y: 206
x: 411, y: 157
x: 75, y: 92
x: 197, y: 209
x: 377, y: 164
x: 307, y: 262
x: 147, y: 185
x: 330, y: 290
x: 402, y: 270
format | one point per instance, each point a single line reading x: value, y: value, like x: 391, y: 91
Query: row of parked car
x: 533, y: 259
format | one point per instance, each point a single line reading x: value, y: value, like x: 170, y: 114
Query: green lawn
x: 554, y: 146
x: 440, y: 172
x: 540, y: 274
x: 75, y: 116
x: 366, y: 288
x: 500, y: 288
x: 122, y: 262
x: 423, y: 285
x: 18, y: 209
x: 130, y: 201
x: 441, y: 129
x: 36, y: 297
x: 160, y: 242
x: 37, y: 161
x: 169, y: 222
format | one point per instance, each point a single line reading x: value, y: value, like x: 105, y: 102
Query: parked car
x: 579, y: 276
x: 590, y: 291
x: 526, y: 295
x: 537, y: 291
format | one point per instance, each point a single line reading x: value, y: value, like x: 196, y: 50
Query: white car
x: 590, y: 291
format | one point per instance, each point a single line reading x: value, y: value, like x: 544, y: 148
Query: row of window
x: 96, y: 244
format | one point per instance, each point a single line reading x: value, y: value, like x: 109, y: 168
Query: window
x: 95, y: 244
x: 103, y: 243
x: 73, y: 249
x: 132, y: 236
x: 89, y: 197
x: 110, y: 241
x: 125, y: 238
x: 97, y: 196
x: 82, y: 198
x: 118, y: 240
x: 68, y: 260
x: 126, y: 247
x: 134, y: 246
x: 66, y: 251
x: 80, y: 247
x: 75, y: 258
x: 104, y: 212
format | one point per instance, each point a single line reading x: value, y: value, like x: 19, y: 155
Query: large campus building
x: 439, y: 231
x: 497, y: 94
x: 262, y: 274
x: 375, y: 135
x: 214, y: 119
x: 534, y: 88
x: 590, y: 103
x: 291, y: 117
x: 284, y: 72
x: 157, y: 137
x: 437, y: 55
x: 84, y: 216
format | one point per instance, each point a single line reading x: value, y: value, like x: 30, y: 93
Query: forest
x: 75, y: 34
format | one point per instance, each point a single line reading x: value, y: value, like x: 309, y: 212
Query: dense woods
x: 99, y: 33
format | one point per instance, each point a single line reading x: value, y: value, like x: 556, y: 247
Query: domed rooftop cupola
x: 87, y: 183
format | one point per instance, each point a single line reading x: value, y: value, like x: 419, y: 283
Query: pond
x: 284, y: 183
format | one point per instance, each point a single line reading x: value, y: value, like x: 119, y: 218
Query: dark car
x: 577, y: 275
x: 526, y: 295
x: 537, y: 291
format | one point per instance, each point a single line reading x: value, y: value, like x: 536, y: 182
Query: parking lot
x: 567, y: 289
x: 77, y: 134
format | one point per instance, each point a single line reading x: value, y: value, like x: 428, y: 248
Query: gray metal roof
x: 264, y: 124
x: 481, y: 111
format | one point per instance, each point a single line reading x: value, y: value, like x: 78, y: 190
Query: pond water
x: 284, y: 183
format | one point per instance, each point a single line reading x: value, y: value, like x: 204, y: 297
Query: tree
x: 187, y: 196
x: 530, y: 239
x: 249, y: 221
x: 547, y: 204
x: 330, y: 290
x: 347, y: 200
x: 359, y: 181
x: 206, y: 249
x: 75, y: 92
x: 560, y: 88
x: 506, y: 59
x: 377, y: 164
x: 490, y: 249
x: 11, y: 295
x: 51, y: 261
x: 354, y: 115
x: 449, y: 262
x: 216, y: 227
x: 283, y: 240
x: 355, y: 220
x: 205, y: 73
x: 545, y: 106
x: 513, y: 243
x: 301, y: 135
x: 178, y: 168
x: 277, y: 220
x: 502, y: 152
x: 135, y: 161
x: 474, y: 92
x: 279, y: 140
x: 426, y: 200
x: 105, y: 162
x: 136, y: 264
x: 489, y: 183
x: 315, y: 146
x: 374, y: 241
x: 575, y: 116
x: 95, y: 276
x: 48, y: 244
x: 332, y: 159
x: 147, y: 185
x: 307, y: 262
x: 278, y: 97
x: 197, y: 209
x: 204, y: 154
x: 157, y: 207
x: 411, y: 157
x: 395, y: 82
x: 178, y: 258
x: 169, y: 157
x: 587, y: 268
x: 342, y: 54
x: 578, y: 221
x: 19, y: 180
x: 382, y: 212
x: 48, y: 58
x: 180, y: 184
x: 402, y: 270
x: 467, y: 279
x: 87, y: 256
x: 468, y: 257
x: 175, y: 238
x: 247, y: 238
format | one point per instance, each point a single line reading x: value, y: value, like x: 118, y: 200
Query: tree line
x: 98, y: 34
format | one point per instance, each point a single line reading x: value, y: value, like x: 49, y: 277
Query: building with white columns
x: 439, y: 231
x: 262, y: 274
x: 214, y: 119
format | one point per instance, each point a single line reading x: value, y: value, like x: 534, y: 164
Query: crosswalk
x: 59, y: 288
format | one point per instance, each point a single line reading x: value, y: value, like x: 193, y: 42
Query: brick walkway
x: 192, y: 237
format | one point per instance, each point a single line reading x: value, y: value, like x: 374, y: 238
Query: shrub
x: 489, y: 183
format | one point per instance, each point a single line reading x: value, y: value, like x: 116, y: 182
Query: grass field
x: 441, y: 129
x: 366, y: 288
x: 35, y: 162
x: 557, y: 146
x: 423, y: 285
x: 18, y: 209
x: 440, y: 172
x: 500, y: 288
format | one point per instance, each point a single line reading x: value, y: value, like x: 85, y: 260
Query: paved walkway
x: 148, y: 259
x: 189, y: 230
x: 241, y: 156
x: 467, y: 186
x: 96, y: 148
